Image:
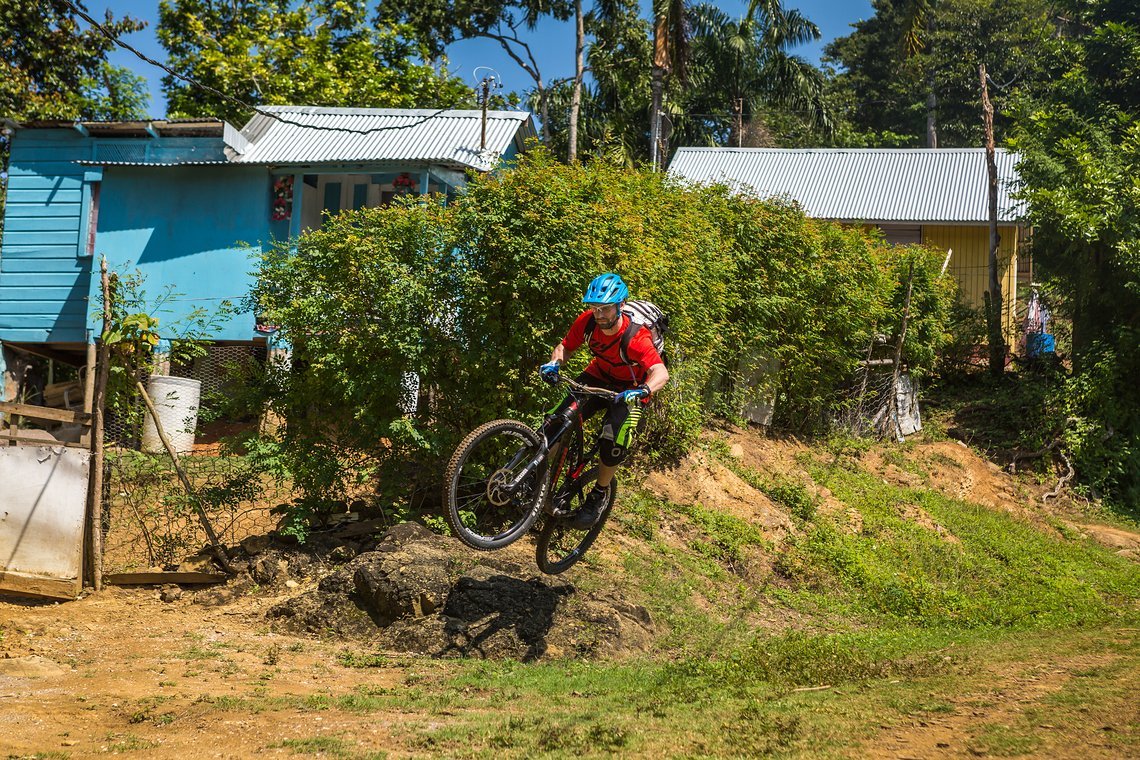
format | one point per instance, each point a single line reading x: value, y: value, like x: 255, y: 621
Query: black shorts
x: 623, y: 420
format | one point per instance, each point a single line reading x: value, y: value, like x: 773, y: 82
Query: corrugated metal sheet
x: 152, y: 163
x: 872, y: 185
x: 450, y: 137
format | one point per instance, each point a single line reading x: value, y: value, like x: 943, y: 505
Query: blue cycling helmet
x: 606, y: 288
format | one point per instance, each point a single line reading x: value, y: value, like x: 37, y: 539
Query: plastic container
x: 1039, y: 344
x: 176, y: 402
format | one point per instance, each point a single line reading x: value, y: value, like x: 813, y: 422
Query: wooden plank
x: 54, y: 251
x: 6, y: 438
x: 39, y: 279
x: 70, y: 263
x: 24, y: 210
x: 38, y: 292
x: 149, y: 578
x: 45, y: 181
x: 36, y: 195
x: 45, y: 413
x: 37, y: 223
x: 35, y: 238
x: 72, y: 359
x: 52, y: 309
x: 22, y: 584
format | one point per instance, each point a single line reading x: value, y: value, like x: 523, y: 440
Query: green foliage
x: 1080, y: 142
x: 49, y: 69
x: 470, y: 297
x: 318, y: 52
x: 889, y: 65
x: 138, y: 339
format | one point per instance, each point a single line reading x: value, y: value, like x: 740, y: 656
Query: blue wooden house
x: 183, y: 201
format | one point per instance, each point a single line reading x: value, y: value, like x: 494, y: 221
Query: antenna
x: 485, y: 84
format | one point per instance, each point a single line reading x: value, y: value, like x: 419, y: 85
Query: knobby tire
x: 474, y: 517
x: 561, y: 546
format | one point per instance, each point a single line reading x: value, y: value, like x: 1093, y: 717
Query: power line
x: 237, y: 101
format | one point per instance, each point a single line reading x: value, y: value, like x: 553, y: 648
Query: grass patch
x: 1002, y: 572
x: 129, y: 743
x: 725, y: 538
x: 351, y: 659
x: 326, y: 746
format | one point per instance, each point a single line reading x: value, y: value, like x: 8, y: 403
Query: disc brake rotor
x: 498, y: 492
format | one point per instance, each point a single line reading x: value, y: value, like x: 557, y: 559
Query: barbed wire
x: 238, y: 101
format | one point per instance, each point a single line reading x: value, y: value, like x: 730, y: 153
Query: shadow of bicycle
x: 500, y: 615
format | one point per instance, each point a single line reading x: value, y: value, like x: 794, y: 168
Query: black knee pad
x: 610, y: 453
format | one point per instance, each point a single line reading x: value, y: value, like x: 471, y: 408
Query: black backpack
x: 641, y: 314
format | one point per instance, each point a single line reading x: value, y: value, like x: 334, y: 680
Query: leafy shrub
x: 468, y: 299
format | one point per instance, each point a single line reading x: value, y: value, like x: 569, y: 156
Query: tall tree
x: 1079, y: 137
x: 51, y: 67
x: 918, y: 38
x: 316, y: 52
x: 670, y: 57
x: 438, y: 23
x: 576, y: 87
x: 614, y: 113
x: 741, y: 70
x: 911, y: 69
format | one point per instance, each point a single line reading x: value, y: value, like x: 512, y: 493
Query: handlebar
x: 588, y: 390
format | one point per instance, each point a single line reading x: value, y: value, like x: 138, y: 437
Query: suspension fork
x: 545, y: 445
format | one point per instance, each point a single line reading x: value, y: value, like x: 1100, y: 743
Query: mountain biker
x: 635, y: 381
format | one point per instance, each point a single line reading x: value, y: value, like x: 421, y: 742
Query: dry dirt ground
x: 215, y: 674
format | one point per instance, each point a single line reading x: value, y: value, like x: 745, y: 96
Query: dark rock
x: 266, y: 569
x: 254, y: 545
x: 424, y: 593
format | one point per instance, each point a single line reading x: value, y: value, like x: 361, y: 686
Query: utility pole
x: 484, y: 96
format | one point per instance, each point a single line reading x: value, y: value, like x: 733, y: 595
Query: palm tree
x: 742, y: 66
x: 670, y: 56
x: 917, y: 38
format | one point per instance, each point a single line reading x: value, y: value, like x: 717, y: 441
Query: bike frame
x: 571, y: 419
x: 572, y: 422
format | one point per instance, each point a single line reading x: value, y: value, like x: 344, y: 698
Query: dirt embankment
x: 151, y: 669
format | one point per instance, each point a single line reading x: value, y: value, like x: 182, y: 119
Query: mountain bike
x: 504, y: 475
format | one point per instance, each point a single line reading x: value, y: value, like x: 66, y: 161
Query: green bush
x: 471, y: 296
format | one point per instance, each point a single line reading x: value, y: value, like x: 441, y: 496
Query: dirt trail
x: 123, y: 671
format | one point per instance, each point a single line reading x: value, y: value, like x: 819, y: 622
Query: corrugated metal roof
x: 870, y: 184
x: 153, y: 163
x: 450, y: 137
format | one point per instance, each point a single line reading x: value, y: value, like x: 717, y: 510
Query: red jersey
x: 607, y: 364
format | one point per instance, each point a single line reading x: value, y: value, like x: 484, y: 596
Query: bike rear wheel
x: 482, y: 512
x: 560, y: 544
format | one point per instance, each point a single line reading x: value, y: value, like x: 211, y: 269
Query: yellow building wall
x: 969, y: 263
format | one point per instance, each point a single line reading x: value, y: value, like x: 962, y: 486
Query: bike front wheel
x: 483, y: 509
x: 560, y: 544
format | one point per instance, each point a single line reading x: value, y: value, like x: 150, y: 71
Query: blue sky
x: 552, y: 42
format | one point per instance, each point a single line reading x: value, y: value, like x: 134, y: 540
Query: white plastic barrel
x: 176, y: 402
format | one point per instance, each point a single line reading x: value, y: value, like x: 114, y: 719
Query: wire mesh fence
x: 149, y: 518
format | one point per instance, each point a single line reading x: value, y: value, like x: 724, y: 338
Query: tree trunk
x: 576, y: 92
x: 544, y: 112
x: 994, y: 313
x: 931, y: 114
x: 657, y: 88
x: 931, y: 95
